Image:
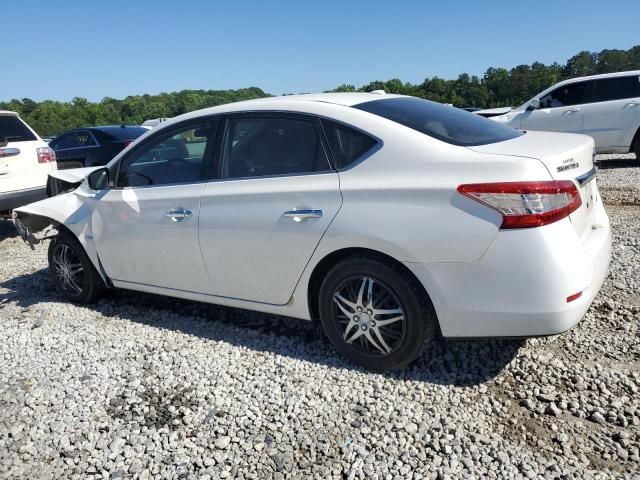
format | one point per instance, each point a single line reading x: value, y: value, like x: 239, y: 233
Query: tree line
x: 497, y: 87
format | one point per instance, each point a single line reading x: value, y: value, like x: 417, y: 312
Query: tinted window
x: 448, y: 124
x: 63, y: 141
x: 83, y: 139
x: 617, y: 88
x: 12, y: 129
x: 255, y: 147
x: 346, y: 143
x: 567, y: 95
x: 175, y: 157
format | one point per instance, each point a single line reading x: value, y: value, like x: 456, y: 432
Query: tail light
x: 46, y: 155
x: 527, y: 204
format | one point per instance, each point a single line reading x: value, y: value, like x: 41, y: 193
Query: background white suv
x: 606, y: 107
x: 25, y: 163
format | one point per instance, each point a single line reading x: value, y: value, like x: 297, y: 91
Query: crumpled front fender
x: 73, y: 210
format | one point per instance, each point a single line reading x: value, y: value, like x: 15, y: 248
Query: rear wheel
x: 636, y: 148
x: 375, y: 314
x: 73, y: 273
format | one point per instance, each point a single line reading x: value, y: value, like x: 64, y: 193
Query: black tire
x: 394, y: 286
x: 636, y: 148
x: 76, y: 278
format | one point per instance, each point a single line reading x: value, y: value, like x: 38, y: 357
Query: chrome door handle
x: 633, y: 103
x: 574, y: 110
x: 178, y: 215
x: 299, y: 215
x: 9, y: 152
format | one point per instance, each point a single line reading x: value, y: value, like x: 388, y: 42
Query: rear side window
x: 617, y: 88
x: 448, y: 124
x: 257, y: 147
x: 12, y: 129
x: 83, y: 139
x: 567, y: 95
x: 63, y: 141
x: 347, y: 144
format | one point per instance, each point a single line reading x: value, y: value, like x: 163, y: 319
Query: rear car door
x: 146, y: 226
x: 614, y: 111
x: 560, y: 110
x: 274, y: 198
x: 80, y: 145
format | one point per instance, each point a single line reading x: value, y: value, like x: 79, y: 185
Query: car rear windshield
x: 12, y: 129
x: 121, y: 133
x: 442, y: 122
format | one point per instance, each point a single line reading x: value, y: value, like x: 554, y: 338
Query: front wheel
x: 73, y: 273
x: 636, y: 149
x: 375, y: 314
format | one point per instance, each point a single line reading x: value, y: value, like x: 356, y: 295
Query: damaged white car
x: 389, y: 218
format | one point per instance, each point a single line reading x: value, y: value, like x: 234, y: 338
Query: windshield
x: 12, y: 129
x: 448, y: 124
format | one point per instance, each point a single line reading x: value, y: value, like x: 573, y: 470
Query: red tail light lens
x: 527, y: 204
x: 46, y: 155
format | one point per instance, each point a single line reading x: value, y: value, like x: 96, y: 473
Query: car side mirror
x: 99, y: 179
x: 534, y: 105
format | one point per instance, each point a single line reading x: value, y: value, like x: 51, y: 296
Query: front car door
x: 614, y: 111
x: 561, y: 110
x: 264, y: 216
x: 146, y: 226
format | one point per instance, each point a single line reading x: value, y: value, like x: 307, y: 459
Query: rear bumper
x: 19, y: 198
x: 520, y: 286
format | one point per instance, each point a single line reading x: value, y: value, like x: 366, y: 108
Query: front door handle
x: 299, y: 215
x: 179, y: 214
x: 633, y: 103
x: 574, y: 110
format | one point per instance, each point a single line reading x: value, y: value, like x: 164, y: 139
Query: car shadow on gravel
x: 458, y: 362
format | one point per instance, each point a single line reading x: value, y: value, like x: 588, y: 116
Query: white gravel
x: 140, y: 386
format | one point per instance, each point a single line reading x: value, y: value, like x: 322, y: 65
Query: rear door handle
x: 574, y: 110
x: 179, y: 214
x: 299, y: 215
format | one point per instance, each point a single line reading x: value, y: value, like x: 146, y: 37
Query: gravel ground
x: 140, y: 386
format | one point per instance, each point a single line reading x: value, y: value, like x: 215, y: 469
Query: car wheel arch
x: 333, y: 258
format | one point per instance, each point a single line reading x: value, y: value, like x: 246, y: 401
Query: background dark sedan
x: 87, y: 147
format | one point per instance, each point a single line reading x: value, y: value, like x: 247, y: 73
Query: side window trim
x: 166, y: 132
x: 377, y: 146
x: 224, y: 129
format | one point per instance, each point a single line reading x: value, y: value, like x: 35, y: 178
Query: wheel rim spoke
x: 68, y: 269
x: 369, y: 315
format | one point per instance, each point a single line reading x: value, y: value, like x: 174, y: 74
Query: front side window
x: 347, y: 144
x: 267, y: 146
x: 617, y: 88
x: 567, y: 95
x: 175, y: 157
x: 12, y: 129
x: 448, y: 124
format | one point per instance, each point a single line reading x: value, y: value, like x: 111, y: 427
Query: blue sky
x: 58, y: 50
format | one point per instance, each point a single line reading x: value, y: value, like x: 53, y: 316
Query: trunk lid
x: 567, y: 157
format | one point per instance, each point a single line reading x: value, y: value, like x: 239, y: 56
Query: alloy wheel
x: 68, y: 269
x: 369, y: 315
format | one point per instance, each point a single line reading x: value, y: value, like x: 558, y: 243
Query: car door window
x: 63, y: 142
x: 617, y: 88
x: 178, y: 156
x: 567, y: 95
x: 347, y: 144
x: 261, y: 146
x: 83, y: 139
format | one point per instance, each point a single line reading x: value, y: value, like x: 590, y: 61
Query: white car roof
x: 8, y: 112
x: 287, y: 102
x: 595, y: 77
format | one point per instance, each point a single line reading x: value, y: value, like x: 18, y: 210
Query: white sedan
x: 388, y: 218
